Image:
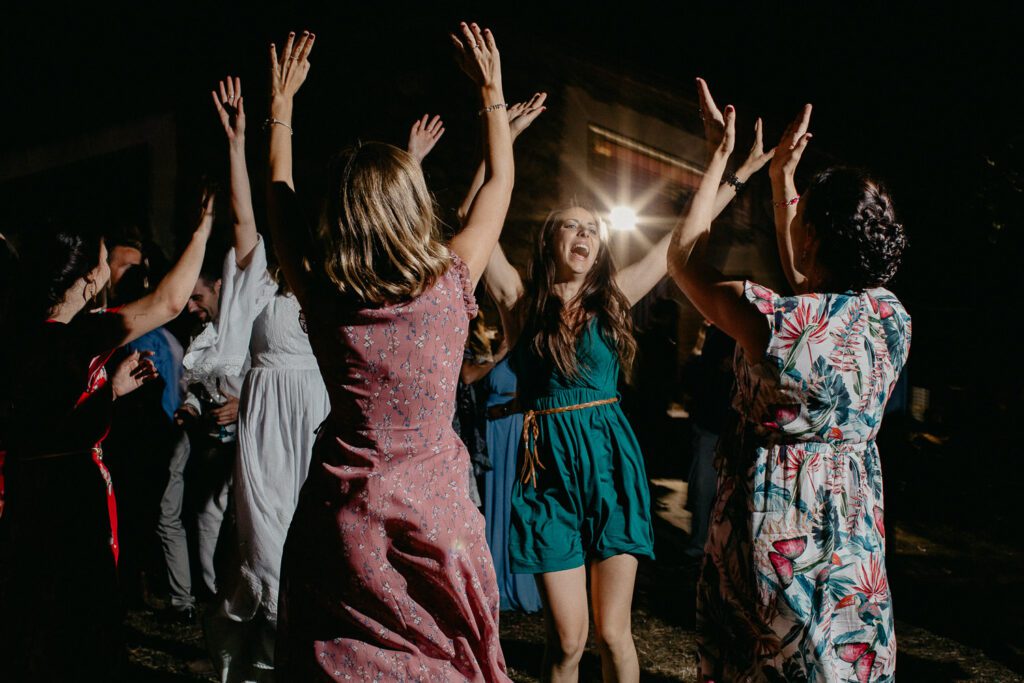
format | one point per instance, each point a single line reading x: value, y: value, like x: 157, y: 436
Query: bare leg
x: 567, y: 620
x: 611, y: 585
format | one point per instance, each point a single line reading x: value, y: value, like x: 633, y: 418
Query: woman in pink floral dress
x: 386, y: 572
x: 793, y: 585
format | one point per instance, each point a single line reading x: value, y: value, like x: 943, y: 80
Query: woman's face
x: 576, y: 241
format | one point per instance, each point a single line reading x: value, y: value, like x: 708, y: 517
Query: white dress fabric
x: 283, y: 402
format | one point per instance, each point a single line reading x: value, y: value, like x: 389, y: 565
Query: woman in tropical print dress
x: 794, y: 585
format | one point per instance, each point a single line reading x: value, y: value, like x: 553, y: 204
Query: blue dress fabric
x: 518, y: 591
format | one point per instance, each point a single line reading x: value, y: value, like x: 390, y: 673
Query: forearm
x: 499, y: 166
x: 727, y: 192
x: 245, y: 235
x: 176, y: 287
x: 474, y: 189
x: 486, y: 214
x: 783, y: 191
x: 697, y: 221
x: 281, y: 142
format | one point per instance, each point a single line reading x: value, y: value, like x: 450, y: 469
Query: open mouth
x: 580, y: 249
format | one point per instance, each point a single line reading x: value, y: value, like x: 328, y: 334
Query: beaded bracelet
x: 277, y: 122
x: 788, y: 202
x: 488, y: 110
x: 733, y: 179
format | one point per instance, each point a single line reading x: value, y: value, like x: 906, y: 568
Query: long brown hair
x: 379, y: 234
x: 552, y: 336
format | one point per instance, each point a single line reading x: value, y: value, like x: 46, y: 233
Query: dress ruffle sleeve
x: 460, y: 271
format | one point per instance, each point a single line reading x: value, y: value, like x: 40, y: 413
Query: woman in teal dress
x: 794, y: 585
x: 582, y: 498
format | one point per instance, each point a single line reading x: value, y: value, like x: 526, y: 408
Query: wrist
x: 238, y: 144
x: 491, y: 94
x: 281, y: 106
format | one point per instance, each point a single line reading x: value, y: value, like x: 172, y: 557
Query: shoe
x: 172, y: 615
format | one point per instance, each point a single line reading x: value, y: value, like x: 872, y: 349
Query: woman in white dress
x: 283, y: 402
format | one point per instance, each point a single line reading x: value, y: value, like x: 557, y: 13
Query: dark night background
x: 926, y: 97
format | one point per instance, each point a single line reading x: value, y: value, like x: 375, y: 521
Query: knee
x: 615, y: 638
x: 570, y: 645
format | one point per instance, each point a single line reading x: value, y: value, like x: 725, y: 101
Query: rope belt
x: 531, y: 430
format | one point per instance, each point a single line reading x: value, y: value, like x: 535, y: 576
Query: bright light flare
x: 622, y: 218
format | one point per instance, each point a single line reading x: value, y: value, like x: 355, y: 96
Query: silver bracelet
x: 488, y: 110
x: 277, y: 122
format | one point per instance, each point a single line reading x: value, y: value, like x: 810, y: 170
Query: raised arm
x: 719, y: 300
x: 478, y: 56
x: 784, y: 194
x: 501, y: 279
x: 287, y: 75
x: 171, y: 295
x: 231, y: 111
x: 520, y: 116
x: 636, y: 280
x: 423, y: 135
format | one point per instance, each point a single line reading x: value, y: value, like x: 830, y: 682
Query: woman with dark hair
x: 282, y: 403
x: 582, y: 497
x: 60, y: 613
x: 386, y: 573
x: 793, y: 586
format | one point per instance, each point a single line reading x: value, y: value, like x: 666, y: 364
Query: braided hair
x: 860, y: 242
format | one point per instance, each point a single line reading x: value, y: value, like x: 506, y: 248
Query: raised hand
x: 710, y: 116
x: 757, y: 157
x: 522, y: 114
x: 206, y: 213
x: 132, y: 373
x: 288, y: 73
x: 230, y: 109
x: 728, y: 140
x: 424, y: 135
x: 791, y: 147
x: 477, y: 54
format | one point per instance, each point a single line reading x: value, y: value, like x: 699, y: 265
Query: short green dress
x: 590, y: 500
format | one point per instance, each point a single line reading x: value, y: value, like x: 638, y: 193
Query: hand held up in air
x: 228, y: 102
x: 424, y: 135
x: 288, y: 72
x: 522, y: 114
x: 477, y: 55
x: 791, y: 147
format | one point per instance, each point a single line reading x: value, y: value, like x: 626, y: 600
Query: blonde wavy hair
x: 379, y: 233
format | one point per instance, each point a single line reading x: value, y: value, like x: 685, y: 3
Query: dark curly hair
x: 860, y: 242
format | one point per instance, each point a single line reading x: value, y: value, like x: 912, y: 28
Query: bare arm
x: 636, y: 280
x: 231, y: 111
x: 171, y: 295
x: 286, y: 77
x: 718, y: 299
x: 479, y: 58
x: 784, y: 195
x: 520, y: 116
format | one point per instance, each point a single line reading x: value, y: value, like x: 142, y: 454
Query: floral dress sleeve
x: 460, y: 272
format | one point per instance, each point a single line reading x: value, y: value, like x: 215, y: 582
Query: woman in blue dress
x: 504, y: 433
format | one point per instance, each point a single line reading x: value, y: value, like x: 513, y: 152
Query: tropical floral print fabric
x: 794, y: 585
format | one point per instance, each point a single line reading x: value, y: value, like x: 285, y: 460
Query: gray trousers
x: 213, y: 502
